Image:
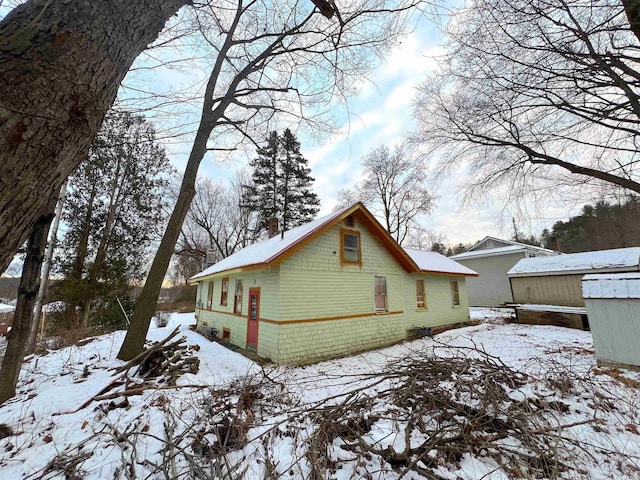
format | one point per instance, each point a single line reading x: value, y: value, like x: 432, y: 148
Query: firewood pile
x: 164, y: 361
x: 158, y: 367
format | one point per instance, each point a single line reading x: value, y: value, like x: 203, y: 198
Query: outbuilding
x: 548, y: 290
x: 6, y: 318
x: 613, y: 306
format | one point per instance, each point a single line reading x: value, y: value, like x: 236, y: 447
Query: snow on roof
x: 611, y: 285
x: 509, y: 242
x: 267, y: 250
x: 4, y: 308
x: 620, y: 259
x: 489, y: 252
x: 435, y: 262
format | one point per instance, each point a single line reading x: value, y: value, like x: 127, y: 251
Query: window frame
x: 343, y: 233
x: 420, y: 281
x: 209, y: 304
x: 455, y: 292
x: 237, y: 297
x: 224, y: 291
x: 376, y: 295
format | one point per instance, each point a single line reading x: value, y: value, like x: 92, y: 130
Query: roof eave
x: 449, y: 274
x: 247, y: 268
x: 557, y: 273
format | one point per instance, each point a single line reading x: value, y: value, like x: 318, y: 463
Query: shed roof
x: 508, y: 243
x: 603, y: 261
x: 611, y: 285
x: 490, y: 252
x: 274, y: 250
x: 437, y: 263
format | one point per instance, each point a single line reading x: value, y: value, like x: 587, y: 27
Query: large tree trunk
x: 18, y: 337
x: 146, y: 304
x: 61, y: 62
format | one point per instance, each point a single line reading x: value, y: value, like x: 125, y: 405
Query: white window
x: 224, y: 290
x: 420, y: 298
x: 210, y: 296
x: 350, y: 251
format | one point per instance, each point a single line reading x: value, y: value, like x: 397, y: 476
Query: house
x: 6, y: 318
x: 492, y: 258
x: 336, y: 285
x: 549, y: 289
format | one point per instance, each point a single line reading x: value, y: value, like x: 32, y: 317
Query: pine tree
x: 112, y: 211
x: 282, y: 183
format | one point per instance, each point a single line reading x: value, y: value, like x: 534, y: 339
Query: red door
x: 253, y: 319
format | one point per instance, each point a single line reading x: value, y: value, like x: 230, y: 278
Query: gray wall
x: 615, y: 324
x: 491, y: 288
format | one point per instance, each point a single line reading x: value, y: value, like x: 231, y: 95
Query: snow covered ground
x: 159, y: 433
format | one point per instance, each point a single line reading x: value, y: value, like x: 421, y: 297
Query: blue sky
x: 381, y: 115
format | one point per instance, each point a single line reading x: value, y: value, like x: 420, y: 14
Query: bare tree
x: 537, y: 98
x: 424, y: 239
x: 81, y: 51
x: 394, y: 189
x: 273, y: 62
x: 216, y: 221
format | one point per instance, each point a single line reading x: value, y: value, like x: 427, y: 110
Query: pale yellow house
x: 336, y: 285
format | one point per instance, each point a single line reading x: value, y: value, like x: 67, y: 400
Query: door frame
x: 256, y: 291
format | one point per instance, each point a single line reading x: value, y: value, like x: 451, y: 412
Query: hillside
x: 493, y: 401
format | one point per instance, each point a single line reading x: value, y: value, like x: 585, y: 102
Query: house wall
x: 491, y: 288
x: 491, y: 243
x: 329, y: 308
x: 549, y: 290
x: 221, y: 316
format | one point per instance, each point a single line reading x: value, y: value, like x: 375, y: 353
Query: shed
x: 492, y: 258
x: 557, y: 281
x: 613, y: 306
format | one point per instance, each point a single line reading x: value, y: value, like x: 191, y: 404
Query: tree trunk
x: 147, y: 301
x: 44, y: 277
x: 18, y: 337
x: 61, y: 62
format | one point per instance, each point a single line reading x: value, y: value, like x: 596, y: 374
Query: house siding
x: 222, y: 316
x: 491, y: 288
x: 563, y: 290
x: 440, y: 309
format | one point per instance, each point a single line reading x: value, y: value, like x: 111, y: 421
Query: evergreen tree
x: 112, y: 211
x: 598, y: 227
x: 282, y: 183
